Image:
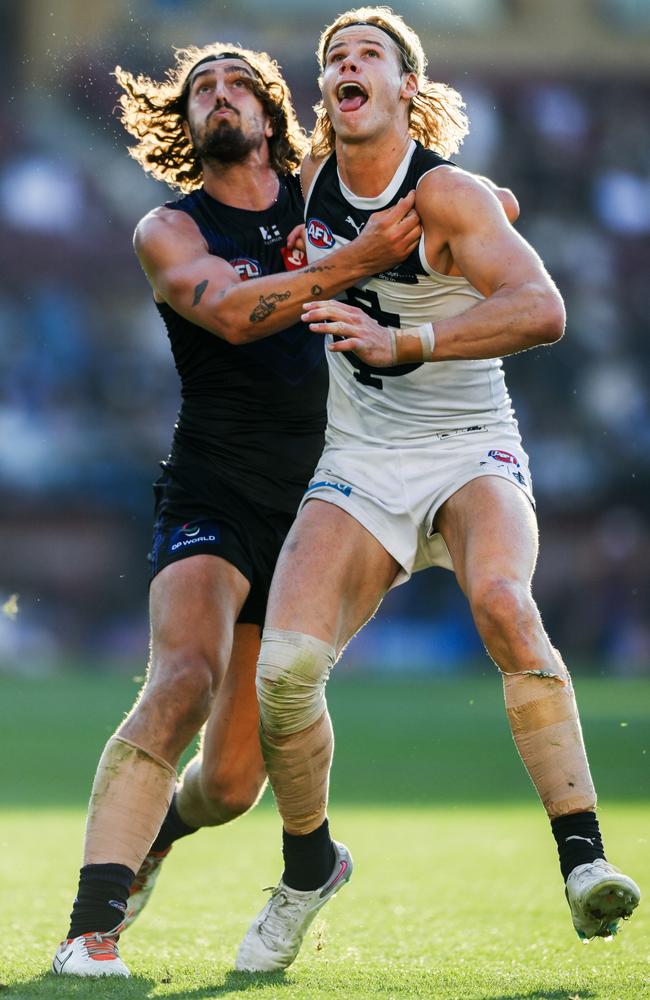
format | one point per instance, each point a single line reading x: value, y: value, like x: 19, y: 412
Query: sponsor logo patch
x: 270, y: 234
x: 319, y: 234
x: 341, y: 487
x: 194, y: 533
x: 246, y: 267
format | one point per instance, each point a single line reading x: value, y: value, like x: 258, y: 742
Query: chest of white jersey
x: 407, y: 403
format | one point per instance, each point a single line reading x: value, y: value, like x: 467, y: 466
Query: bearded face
x: 226, y: 120
x: 225, y: 139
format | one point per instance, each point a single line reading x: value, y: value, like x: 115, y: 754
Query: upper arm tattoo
x: 198, y: 291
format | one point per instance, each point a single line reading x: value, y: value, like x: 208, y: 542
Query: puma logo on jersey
x: 358, y: 228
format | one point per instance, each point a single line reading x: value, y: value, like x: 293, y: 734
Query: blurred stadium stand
x: 558, y: 94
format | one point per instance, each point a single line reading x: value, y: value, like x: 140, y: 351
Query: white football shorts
x: 395, y: 493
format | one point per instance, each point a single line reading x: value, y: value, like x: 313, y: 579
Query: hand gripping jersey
x: 252, y: 416
x: 406, y: 404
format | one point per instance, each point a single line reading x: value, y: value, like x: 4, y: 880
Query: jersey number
x: 363, y: 373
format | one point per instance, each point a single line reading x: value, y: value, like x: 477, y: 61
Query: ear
x: 268, y: 129
x: 409, y: 86
x: 186, y: 130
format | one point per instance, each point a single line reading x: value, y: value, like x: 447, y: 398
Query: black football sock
x: 308, y: 859
x: 101, y: 898
x: 578, y: 840
x: 173, y: 828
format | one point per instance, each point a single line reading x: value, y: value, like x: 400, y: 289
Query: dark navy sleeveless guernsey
x: 252, y: 416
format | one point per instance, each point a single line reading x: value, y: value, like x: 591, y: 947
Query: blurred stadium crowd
x: 88, y: 392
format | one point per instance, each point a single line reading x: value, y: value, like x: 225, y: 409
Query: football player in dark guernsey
x: 229, y: 280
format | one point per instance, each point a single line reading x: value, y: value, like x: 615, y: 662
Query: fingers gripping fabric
x: 295, y: 729
x: 544, y: 720
x: 129, y: 800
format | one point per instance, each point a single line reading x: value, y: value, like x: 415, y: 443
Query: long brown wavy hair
x: 436, y: 113
x: 153, y: 113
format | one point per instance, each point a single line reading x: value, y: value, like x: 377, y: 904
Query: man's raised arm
x: 206, y: 290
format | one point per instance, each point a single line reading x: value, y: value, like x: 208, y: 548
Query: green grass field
x: 456, y: 892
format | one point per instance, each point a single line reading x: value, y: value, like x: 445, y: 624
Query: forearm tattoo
x: 198, y: 292
x: 267, y: 305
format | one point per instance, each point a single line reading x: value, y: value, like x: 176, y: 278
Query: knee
x: 292, y: 672
x: 502, y: 605
x: 183, y: 688
x: 231, y: 795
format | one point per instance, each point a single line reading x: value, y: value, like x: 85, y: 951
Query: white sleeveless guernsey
x: 400, y: 405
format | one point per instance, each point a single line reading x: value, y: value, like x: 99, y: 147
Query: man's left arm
x: 522, y: 307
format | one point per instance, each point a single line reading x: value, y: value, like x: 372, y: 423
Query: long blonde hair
x: 436, y: 113
x: 154, y: 114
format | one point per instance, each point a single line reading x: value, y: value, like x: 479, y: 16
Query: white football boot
x: 273, y: 939
x: 599, y: 896
x: 91, y: 954
x: 143, y: 884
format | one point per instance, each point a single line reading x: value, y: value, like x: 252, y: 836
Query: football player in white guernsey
x: 423, y: 465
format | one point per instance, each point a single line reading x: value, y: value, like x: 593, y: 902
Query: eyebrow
x: 227, y: 69
x: 362, y: 41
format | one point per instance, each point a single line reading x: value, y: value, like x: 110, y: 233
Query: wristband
x: 427, y: 339
x: 392, y: 336
x: 424, y: 333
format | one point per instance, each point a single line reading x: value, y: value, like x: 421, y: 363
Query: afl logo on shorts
x: 246, y: 267
x: 503, y: 456
x: 319, y: 234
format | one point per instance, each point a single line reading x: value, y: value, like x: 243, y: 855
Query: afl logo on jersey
x: 246, y: 267
x: 319, y: 234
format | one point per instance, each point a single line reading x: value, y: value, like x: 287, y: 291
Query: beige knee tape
x: 295, y: 727
x: 545, y: 725
x: 292, y: 672
x: 130, y: 797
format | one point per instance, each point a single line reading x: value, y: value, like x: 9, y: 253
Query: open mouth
x: 351, y: 96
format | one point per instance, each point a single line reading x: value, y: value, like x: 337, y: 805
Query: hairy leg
x: 193, y: 604
x: 227, y: 775
x: 330, y: 578
x: 491, y: 533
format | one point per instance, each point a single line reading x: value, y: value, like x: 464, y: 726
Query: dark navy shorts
x: 246, y: 535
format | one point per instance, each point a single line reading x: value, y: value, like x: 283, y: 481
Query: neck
x: 366, y: 168
x: 252, y: 184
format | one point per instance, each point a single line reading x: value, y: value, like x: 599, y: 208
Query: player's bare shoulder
x: 163, y: 229
x: 308, y: 170
x: 448, y: 194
